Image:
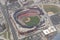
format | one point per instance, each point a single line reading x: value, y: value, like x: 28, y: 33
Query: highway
x: 6, y: 15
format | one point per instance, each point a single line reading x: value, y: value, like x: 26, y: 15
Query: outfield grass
x: 51, y: 8
x: 34, y: 21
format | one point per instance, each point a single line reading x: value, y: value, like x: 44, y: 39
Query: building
x: 50, y: 32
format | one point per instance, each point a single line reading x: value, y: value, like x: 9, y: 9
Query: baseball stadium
x: 29, y: 19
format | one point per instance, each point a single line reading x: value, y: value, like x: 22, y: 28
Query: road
x: 6, y: 15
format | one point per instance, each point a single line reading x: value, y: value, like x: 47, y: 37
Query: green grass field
x: 51, y: 8
x: 34, y: 21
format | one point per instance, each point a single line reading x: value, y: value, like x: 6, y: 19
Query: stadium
x: 29, y: 18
